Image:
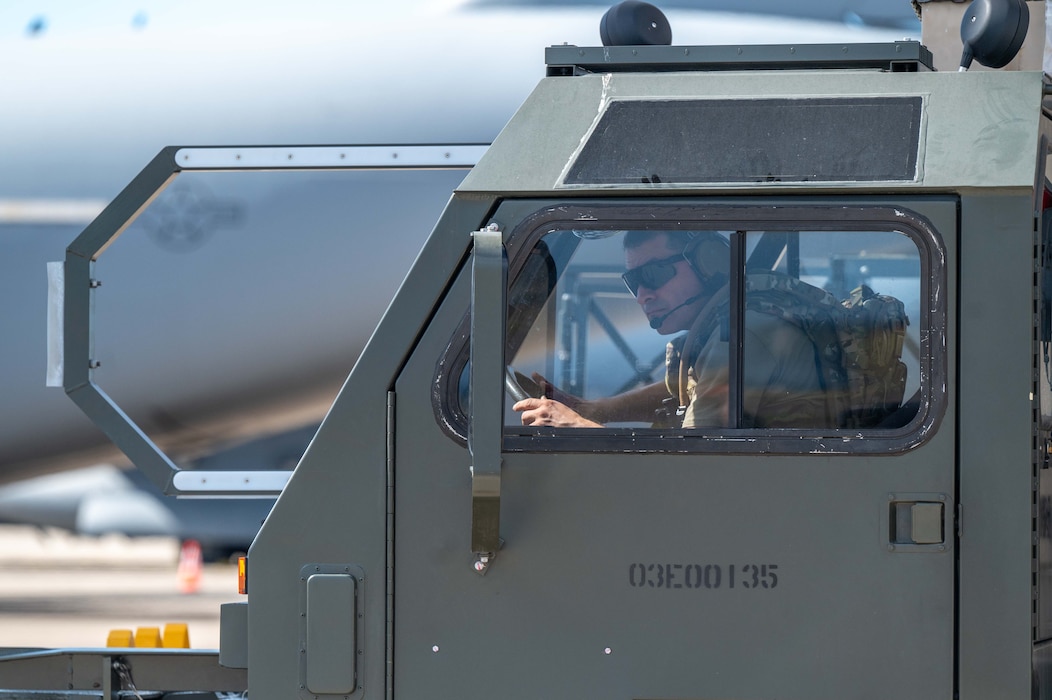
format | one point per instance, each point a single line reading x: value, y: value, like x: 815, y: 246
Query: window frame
x: 664, y: 214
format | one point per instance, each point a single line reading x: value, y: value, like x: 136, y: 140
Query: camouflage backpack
x: 858, y: 342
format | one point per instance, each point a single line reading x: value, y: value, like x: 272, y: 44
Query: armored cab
x: 431, y: 544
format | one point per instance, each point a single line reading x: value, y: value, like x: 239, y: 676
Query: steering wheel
x: 520, y: 387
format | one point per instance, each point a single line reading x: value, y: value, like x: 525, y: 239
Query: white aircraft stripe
x: 50, y: 211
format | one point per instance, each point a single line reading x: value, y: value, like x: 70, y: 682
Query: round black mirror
x: 992, y: 31
x: 634, y: 23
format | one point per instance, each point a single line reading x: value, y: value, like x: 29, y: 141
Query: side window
x: 714, y: 329
x: 588, y: 339
x: 866, y: 348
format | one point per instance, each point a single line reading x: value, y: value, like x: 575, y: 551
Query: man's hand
x: 552, y: 413
x: 559, y: 409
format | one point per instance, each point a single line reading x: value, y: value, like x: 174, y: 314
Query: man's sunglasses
x: 652, y: 275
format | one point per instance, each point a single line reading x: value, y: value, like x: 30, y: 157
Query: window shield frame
x: 697, y: 215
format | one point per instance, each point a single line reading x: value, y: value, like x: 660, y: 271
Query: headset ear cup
x: 709, y: 255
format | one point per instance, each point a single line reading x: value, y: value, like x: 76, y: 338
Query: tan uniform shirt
x: 782, y: 388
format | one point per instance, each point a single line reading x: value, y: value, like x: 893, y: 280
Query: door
x: 697, y: 533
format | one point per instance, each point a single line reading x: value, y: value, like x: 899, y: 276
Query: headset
x: 709, y: 255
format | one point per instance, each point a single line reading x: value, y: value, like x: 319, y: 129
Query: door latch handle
x: 916, y: 522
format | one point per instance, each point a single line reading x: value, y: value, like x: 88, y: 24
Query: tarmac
x: 61, y: 590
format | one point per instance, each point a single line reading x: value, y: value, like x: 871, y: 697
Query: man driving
x: 679, y: 279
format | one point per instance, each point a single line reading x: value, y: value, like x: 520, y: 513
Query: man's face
x: 663, y: 301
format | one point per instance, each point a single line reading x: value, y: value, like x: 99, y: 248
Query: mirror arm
x: 489, y: 275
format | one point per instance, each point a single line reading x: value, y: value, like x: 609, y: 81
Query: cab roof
x: 831, y: 117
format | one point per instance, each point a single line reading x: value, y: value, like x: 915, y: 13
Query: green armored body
x: 634, y: 559
x: 721, y: 560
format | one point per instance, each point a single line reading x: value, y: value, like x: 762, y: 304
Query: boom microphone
x: 656, y: 322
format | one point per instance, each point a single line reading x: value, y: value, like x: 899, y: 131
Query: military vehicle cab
x: 458, y: 553
x: 894, y: 545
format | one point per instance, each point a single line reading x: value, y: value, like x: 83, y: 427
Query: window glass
x: 673, y: 328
